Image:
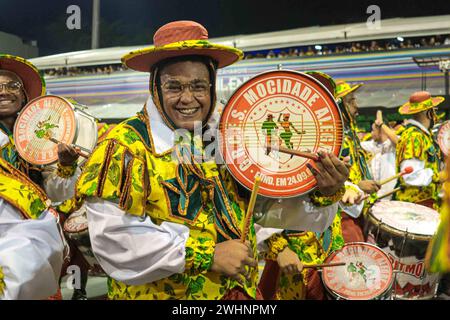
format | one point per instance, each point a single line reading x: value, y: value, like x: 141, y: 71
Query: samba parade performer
x: 382, y: 147
x: 20, y: 82
x: 144, y: 184
x: 416, y: 149
x: 31, y: 246
x: 360, y: 175
x: 284, y: 277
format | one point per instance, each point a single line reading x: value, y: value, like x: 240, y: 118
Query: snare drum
x: 76, y: 229
x: 54, y: 118
x: 403, y: 230
x: 367, y: 274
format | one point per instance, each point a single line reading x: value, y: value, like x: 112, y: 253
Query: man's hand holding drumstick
x: 67, y: 155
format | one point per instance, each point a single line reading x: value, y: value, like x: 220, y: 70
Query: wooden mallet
x: 250, y: 208
x: 297, y: 153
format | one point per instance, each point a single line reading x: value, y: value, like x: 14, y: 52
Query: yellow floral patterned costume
x: 21, y: 193
x: 414, y: 143
x: 125, y: 169
x: 311, y: 248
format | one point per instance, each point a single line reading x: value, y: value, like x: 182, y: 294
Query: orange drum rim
x: 445, y: 127
x: 21, y: 130
x: 301, y: 173
x: 379, y: 293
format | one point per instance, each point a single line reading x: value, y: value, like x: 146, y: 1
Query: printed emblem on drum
x: 43, y: 123
x: 271, y: 114
x: 367, y: 273
x: 443, y: 137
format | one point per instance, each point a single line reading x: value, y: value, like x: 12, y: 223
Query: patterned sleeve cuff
x: 276, y: 244
x: 2, y: 282
x: 66, y: 171
x: 320, y: 200
x: 199, y: 254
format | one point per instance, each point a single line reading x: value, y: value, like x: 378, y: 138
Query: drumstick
x: 297, y: 153
x: 407, y: 170
x: 387, y: 194
x: 324, y: 265
x: 251, y: 207
x: 72, y: 145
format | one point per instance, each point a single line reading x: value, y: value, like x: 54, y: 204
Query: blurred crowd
x: 351, y: 47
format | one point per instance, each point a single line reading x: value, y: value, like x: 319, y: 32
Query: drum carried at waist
x: 403, y: 230
x: 76, y: 229
x: 48, y: 120
x: 366, y: 275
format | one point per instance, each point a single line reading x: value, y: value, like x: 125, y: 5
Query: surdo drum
x: 403, y: 230
x: 273, y: 111
x: 54, y: 118
x: 367, y: 274
x: 76, y: 229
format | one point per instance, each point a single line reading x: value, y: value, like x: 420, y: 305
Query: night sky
x: 133, y: 22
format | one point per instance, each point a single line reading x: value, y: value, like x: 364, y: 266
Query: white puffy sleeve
x: 293, y: 214
x: 31, y: 255
x: 420, y: 177
x: 134, y: 250
x: 58, y: 188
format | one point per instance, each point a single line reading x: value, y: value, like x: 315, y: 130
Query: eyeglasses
x: 199, y: 88
x: 12, y: 86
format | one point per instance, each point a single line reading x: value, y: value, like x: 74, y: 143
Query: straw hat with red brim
x: 180, y: 38
x: 420, y: 101
x: 32, y: 81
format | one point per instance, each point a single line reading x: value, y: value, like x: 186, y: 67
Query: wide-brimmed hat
x: 33, y: 82
x: 324, y: 79
x: 180, y: 38
x: 343, y: 88
x: 420, y: 101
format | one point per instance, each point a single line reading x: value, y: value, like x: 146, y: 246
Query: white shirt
x: 382, y: 164
x: 31, y: 254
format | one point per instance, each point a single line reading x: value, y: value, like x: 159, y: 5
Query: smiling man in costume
x: 164, y: 225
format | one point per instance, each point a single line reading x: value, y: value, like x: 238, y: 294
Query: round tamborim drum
x: 443, y: 137
x: 49, y: 119
x: 367, y: 274
x: 403, y: 230
x: 76, y: 229
x: 269, y: 116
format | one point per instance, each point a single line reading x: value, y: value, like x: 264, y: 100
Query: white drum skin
x: 367, y: 274
x: 403, y: 230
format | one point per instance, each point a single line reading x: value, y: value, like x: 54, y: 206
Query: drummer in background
x: 382, y: 148
x: 359, y: 172
x: 20, y: 82
x: 190, y: 216
x: 31, y: 247
x: 283, y: 277
x: 416, y: 149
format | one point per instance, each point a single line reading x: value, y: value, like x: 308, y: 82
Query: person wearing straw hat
x: 31, y: 245
x: 280, y: 279
x: 21, y: 82
x: 360, y: 175
x: 416, y: 149
x: 163, y: 224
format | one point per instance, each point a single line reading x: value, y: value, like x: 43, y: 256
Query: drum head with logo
x: 367, y: 273
x: 280, y: 109
x: 41, y: 119
x: 406, y: 216
x: 443, y: 137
